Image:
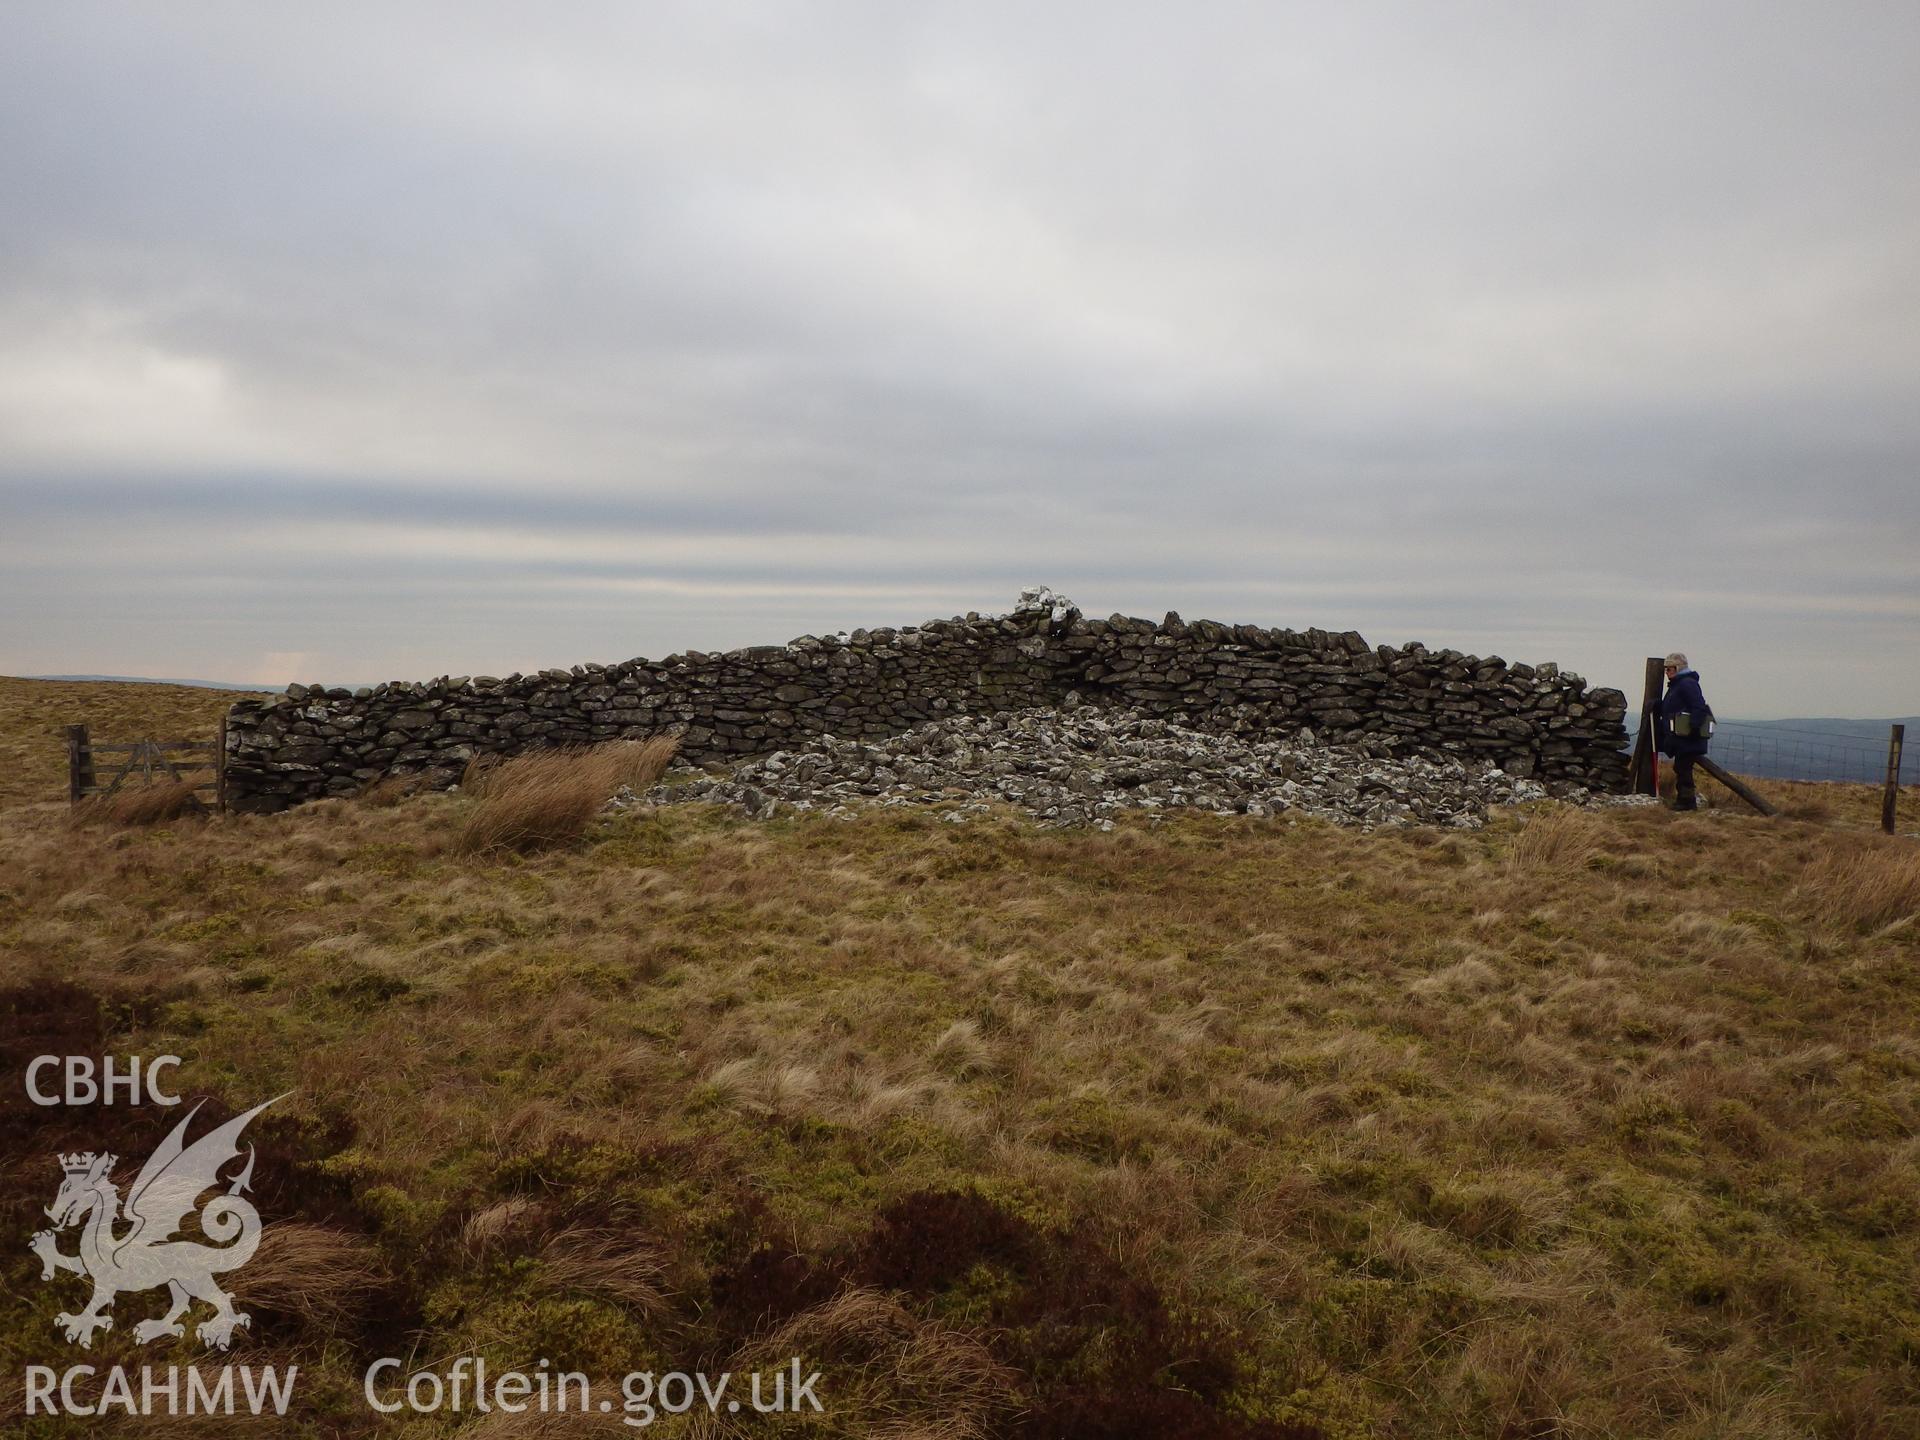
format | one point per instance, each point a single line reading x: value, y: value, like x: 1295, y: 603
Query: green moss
x: 392, y: 859
x: 362, y: 987
x: 1092, y: 1126
x: 206, y: 928
x: 403, y: 1214
x: 1769, y: 925
x: 513, y: 1326
x: 1647, y: 1121
x: 568, y: 1166
x: 1867, y: 1115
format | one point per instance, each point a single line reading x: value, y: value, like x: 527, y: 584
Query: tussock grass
x: 608, y: 1261
x: 962, y: 1049
x: 473, y: 777
x: 155, y: 804
x: 549, y: 797
x: 391, y: 790
x: 899, y: 1375
x: 323, y: 1275
x: 488, y: 1228
x: 1867, y: 885
x: 1558, y: 839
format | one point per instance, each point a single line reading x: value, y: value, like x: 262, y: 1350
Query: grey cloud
x: 1527, y: 328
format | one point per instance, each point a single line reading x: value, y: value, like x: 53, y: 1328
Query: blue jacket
x: 1683, y: 697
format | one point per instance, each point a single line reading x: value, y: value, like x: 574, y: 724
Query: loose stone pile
x: 1083, y: 764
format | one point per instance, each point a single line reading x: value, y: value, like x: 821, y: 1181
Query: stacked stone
x: 1532, y: 721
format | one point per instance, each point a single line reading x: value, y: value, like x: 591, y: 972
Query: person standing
x: 1683, y: 727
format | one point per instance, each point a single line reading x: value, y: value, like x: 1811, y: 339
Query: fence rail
x: 147, y: 762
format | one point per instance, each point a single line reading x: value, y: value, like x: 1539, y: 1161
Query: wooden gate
x: 145, y: 762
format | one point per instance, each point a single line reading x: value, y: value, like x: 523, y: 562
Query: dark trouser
x: 1683, y: 798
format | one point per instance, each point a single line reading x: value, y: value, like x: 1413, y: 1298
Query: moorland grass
x: 1588, y: 1123
x: 548, y: 797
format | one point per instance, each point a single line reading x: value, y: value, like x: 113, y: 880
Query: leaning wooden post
x: 1737, y: 785
x: 1643, y: 770
x: 79, y: 763
x: 1895, y: 742
x: 220, y: 766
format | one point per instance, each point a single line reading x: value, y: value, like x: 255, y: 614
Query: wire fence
x: 1783, y: 752
x: 1778, y: 752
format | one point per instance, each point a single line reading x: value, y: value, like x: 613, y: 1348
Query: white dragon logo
x: 147, y: 1255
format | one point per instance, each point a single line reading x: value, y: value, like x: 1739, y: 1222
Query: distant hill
x: 154, y: 680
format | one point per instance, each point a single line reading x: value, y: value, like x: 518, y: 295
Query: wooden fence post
x: 220, y: 766
x: 1643, y: 770
x: 1895, y: 743
x: 79, y: 763
x: 1734, y: 784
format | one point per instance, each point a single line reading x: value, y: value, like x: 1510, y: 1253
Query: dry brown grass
x: 325, y: 1276
x: 1558, y: 839
x: 137, y: 804
x: 532, y: 1424
x: 473, y: 777
x: 899, y: 1377
x: 390, y: 790
x: 1849, y: 807
x: 605, y: 1260
x: 549, y: 797
x: 1867, y: 884
x: 488, y: 1228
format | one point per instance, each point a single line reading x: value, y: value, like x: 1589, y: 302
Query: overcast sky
x: 350, y: 343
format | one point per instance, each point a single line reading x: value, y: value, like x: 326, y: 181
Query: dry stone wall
x: 1531, y: 720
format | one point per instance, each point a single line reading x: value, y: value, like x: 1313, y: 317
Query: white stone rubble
x: 1084, y: 764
